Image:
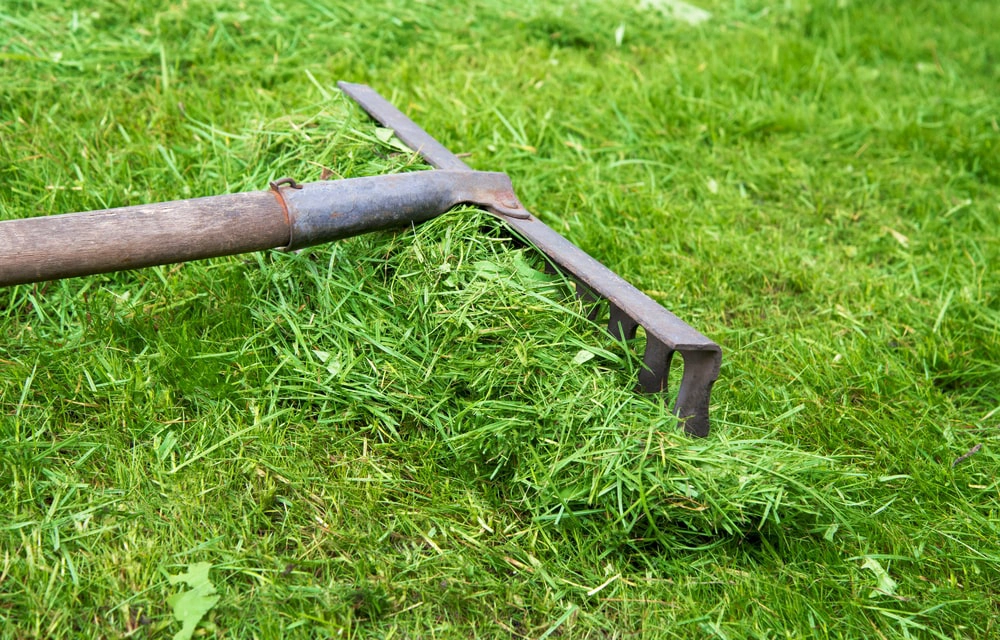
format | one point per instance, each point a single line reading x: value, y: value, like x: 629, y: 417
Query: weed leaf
x: 192, y: 605
x: 886, y: 585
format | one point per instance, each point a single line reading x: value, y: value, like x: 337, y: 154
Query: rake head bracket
x: 629, y: 308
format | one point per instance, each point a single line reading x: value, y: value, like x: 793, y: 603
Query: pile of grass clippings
x: 454, y: 328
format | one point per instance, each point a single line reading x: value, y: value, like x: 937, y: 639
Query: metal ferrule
x: 323, y: 211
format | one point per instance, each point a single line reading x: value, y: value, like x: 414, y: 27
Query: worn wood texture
x: 76, y: 244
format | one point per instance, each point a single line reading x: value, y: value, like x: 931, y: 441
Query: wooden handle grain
x: 75, y: 244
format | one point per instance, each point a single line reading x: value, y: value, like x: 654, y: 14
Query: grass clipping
x: 453, y: 327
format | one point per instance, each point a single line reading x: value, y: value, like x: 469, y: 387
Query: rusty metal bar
x: 666, y: 334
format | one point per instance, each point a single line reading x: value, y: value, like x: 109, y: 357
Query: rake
x: 290, y: 216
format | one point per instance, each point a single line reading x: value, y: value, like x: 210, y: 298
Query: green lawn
x: 419, y: 434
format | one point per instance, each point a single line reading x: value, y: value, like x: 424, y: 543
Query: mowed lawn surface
x: 419, y: 434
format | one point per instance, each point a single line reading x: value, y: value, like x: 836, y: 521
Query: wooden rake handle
x: 289, y: 216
